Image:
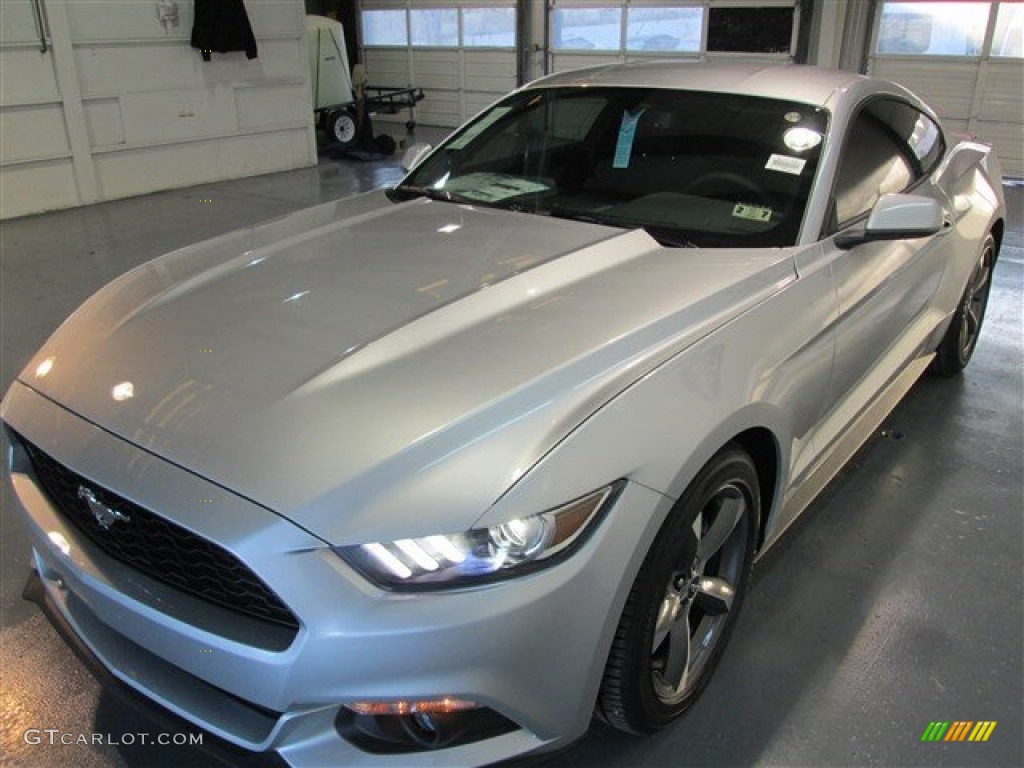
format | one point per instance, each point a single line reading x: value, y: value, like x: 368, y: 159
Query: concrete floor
x: 897, y: 600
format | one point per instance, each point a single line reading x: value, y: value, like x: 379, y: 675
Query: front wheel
x: 957, y: 346
x: 685, y: 600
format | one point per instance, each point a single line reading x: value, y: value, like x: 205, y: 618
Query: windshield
x: 692, y: 168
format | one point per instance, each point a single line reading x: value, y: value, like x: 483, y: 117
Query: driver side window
x: 890, y: 147
x: 874, y: 163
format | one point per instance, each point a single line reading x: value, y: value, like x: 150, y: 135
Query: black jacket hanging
x: 222, y: 26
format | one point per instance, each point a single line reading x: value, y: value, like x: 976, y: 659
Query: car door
x: 883, y: 289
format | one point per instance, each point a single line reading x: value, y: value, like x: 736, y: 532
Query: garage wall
x: 458, y: 79
x: 965, y: 59
x: 117, y: 105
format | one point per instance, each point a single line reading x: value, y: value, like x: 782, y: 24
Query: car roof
x: 792, y: 82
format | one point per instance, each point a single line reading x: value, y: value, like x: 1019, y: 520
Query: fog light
x: 418, y: 725
x: 429, y: 706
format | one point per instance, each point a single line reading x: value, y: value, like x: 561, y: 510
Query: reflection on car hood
x: 338, y: 364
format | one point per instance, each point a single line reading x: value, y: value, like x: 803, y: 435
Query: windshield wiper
x: 561, y: 212
x: 405, y: 192
x: 669, y: 237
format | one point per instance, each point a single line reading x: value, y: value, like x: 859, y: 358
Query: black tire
x: 958, y: 344
x: 687, y: 587
x: 342, y: 128
x: 385, y: 144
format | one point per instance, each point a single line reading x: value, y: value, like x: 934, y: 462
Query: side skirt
x: 843, y: 448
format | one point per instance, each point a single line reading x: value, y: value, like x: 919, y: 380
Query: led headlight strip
x: 445, y: 560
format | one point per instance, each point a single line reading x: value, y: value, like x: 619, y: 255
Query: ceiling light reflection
x: 123, y: 391
x: 45, y: 367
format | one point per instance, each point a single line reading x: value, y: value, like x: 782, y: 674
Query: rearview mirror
x: 412, y: 156
x: 896, y: 217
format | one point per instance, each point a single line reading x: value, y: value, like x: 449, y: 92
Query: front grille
x: 156, y: 547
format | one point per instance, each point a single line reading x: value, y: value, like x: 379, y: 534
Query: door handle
x: 39, y: 12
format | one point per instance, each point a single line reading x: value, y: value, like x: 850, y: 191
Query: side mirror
x: 412, y: 156
x: 896, y: 217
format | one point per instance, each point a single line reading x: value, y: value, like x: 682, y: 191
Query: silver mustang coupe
x: 431, y: 475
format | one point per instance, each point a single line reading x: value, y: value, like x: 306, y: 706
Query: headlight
x: 480, y: 554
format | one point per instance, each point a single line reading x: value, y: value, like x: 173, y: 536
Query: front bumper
x: 531, y: 649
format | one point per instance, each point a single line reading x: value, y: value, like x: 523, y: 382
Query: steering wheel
x: 725, y: 185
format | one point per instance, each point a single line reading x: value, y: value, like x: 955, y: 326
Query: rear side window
x: 890, y: 146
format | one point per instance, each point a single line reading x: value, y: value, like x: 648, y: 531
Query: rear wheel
x: 684, y: 602
x: 957, y: 346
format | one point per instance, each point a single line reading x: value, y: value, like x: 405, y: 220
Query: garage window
x: 434, y: 27
x: 385, y: 28
x: 586, y: 29
x: 664, y: 29
x: 750, y: 30
x: 489, y: 27
x: 419, y: 27
x: 933, y: 28
x: 1008, y: 40
x: 641, y: 28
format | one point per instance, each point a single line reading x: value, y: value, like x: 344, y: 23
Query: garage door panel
x: 1006, y: 138
x: 52, y: 184
x: 1003, y: 95
x: 177, y: 114
x: 436, y: 69
x: 477, y: 102
x: 387, y: 68
x: 104, y: 122
x: 26, y: 76
x: 493, y: 71
x: 118, y: 20
x: 272, y: 105
x: 563, y: 62
x: 950, y: 95
x: 33, y: 132
x: 17, y: 23
x: 104, y: 70
x: 956, y: 128
x: 129, y: 172
x: 440, y: 108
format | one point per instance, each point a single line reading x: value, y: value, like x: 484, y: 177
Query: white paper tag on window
x: 786, y: 164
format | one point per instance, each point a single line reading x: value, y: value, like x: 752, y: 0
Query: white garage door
x: 593, y: 32
x: 100, y: 100
x: 965, y: 59
x: 462, y: 54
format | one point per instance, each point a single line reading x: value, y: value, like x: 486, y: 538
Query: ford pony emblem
x: 105, y: 516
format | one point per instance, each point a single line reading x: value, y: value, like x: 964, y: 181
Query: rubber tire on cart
x: 342, y: 128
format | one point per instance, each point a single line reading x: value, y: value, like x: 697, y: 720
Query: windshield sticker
x: 786, y: 164
x: 752, y: 212
x: 477, y: 128
x: 627, y: 132
x: 492, y: 187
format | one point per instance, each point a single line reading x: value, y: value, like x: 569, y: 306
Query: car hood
x: 342, y: 364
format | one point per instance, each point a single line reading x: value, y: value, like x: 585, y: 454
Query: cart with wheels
x: 343, y: 107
